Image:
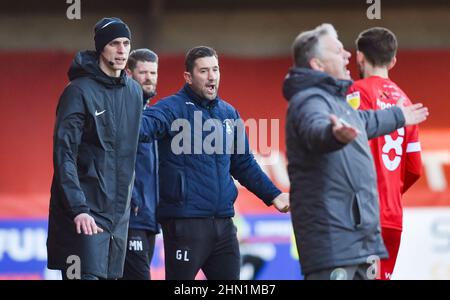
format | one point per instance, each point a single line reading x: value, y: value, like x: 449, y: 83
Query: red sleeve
x: 413, y: 166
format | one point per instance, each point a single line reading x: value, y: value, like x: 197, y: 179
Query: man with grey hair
x: 333, y: 197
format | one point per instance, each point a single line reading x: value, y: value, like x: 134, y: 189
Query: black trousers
x: 140, y: 248
x: 209, y: 244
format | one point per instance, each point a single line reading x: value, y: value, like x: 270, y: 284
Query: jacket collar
x: 203, y: 102
x: 303, y: 78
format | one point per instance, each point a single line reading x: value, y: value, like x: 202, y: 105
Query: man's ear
x: 316, y: 64
x: 187, y: 77
x: 392, y: 63
x: 360, y: 58
x: 128, y: 71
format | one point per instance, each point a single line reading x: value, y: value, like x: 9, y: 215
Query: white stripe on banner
x: 413, y: 147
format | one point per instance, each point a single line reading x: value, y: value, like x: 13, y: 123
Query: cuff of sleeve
x: 269, y: 202
x: 134, y: 202
x: 399, y: 117
x: 79, y: 210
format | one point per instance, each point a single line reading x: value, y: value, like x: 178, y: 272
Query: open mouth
x: 120, y: 60
x: 211, y: 88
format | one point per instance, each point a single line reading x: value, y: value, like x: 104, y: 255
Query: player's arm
x: 413, y: 164
x: 365, y: 101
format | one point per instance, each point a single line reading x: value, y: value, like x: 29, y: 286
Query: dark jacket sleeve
x: 381, y: 122
x: 246, y: 170
x: 310, y: 119
x: 156, y: 122
x: 135, y: 195
x: 70, y: 118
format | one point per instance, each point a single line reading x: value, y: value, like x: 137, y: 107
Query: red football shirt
x: 397, y: 155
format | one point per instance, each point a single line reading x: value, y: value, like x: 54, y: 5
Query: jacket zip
x: 110, y: 260
x: 210, y: 110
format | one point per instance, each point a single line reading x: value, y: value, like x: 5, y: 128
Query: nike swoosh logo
x: 107, y: 24
x: 99, y: 113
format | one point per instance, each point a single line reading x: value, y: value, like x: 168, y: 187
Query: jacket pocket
x: 356, y: 211
x: 234, y: 194
x: 86, y: 164
x: 172, y: 187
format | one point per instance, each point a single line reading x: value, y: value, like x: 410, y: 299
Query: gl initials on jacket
x: 396, y: 145
x: 181, y: 255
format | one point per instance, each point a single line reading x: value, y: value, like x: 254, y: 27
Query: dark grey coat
x: 334, y: 198
x: 95, y: 140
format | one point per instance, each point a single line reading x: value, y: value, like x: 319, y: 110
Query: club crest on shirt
x: 354, y: 100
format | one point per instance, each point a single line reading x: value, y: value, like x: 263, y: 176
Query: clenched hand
x: 281, y: 202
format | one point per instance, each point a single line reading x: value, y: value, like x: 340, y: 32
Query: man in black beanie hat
x: 95, y: 141
x: 112, y: 45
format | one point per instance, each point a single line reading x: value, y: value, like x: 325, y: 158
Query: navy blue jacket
x: 145, y: 190
x: 194, y: 183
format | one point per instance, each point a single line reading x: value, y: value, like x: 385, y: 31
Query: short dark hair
x: 198, y: 52
x: 378, y: 44
x: 141, y: 55
x: 306, y: 44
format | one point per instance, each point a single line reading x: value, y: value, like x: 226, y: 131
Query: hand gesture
x: 342, y: 131
x: 84, y: 222
x: 281, y: 202
x: 414, y: 114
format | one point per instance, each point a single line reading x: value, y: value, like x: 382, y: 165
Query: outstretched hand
x: 414, y: 114
x: 343, y: 131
